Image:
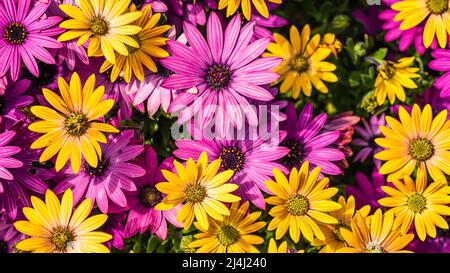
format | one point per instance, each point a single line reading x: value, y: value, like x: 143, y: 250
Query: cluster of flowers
x: 93, y: 94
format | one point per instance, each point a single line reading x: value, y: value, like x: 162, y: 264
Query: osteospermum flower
x: 417, y: 140
x: 424, y: 204
x: 393, y: 77
x: 150, y: 42
x: 435, y: 13
x: 112, y: 175
x: 333, y: 237
x: 232, y: 234
x: 368, y: 132
x: 25, y: 36
x: 7, y: 161
x: 201, y: 189
x: 246, y: 6
x: 252, y: 162
x: 374, y: 235
x: 72, y: 132
x: 367, y: 190
x: 272, y: 248
x: 12, y: 100
x: 441, y: 63
x: 53, y: 227
x: 303, y: 64
x: 9, y: 236
x: 226, y: 70
x: 142, y: 202
x: 307, y: 143
x: 300, y: 203
x: 107, y: 26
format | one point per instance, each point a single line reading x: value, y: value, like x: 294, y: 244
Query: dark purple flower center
x: 98, y: 171
x: 1, y: 106
x: 163, y: 72
x: 3, y: 247
x: 15, y: 33
x: 218, y: 76
x: 150, y: 196
x: 48, y: 74
x: 232, y: 159
x: 295, y: 156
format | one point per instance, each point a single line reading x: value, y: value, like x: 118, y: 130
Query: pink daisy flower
x: 25, y: 36
x: 226, y: 69
x: 112, y: 175
x: 12, y: 100
x: 143, y: 215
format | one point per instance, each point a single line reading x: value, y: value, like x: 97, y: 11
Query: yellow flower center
x: 99, y: 26
x: 228, y: 235
x: 232, y: 159
x: 416, y: 203
x: 297, y: 205
x: 437, y: 6
x: 299, y: 64
x: 132, y: 50
x: 150, y: 196
x: 15, y: 33
x: 421, y: 149
x: 374, y: 248
x: 387, y: 70
x: 195, y: 193
x: 61, y: 237
x: 369, y: 103
x: 337, y: 232
x: 76, y: 124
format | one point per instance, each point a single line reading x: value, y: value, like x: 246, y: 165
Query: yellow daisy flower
x: 150, y: 42
x: 202, y: 190
x: 260, y: 5
x: 417, y: 140
x: 232, y: 234
x: 106, y: 24
x: 55, y: 229
x: 330, y: 41
x: 302, y: 66
x: 415, y: 201
x: 333, y: 237
x: 374, y: 234
x: 436, y: 13
x: 392, y: 77
x: 300, y: 203
x: 73, y: 131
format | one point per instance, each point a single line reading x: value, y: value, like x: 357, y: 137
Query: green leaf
x: 152, y: 243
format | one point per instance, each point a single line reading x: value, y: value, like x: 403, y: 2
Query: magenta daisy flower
x: 306, y: 142
x: 6, y: 152
x: 366, y: 191
x: 432, y: 96
x: 12, y: 100
x: 440, y: 244
x: 9, y: 236
x: 48, y: 77
x: 368, y: 132
x: 262, y: 24
x: 192, y: 11
x: 251, y: 160
x: 226, y: 69
x: 113, y: 174
x: 157, y: 5
x: 25, y: 36
x: 3, y: 84
x: 441, y: 63
x: 143, y: 215
x: 114, y: 226
x: 407, y: 37
x: 70, y: 52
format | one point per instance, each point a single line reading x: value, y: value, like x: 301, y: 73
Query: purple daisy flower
x: 25, y: 36
x: 157, y: 5
x: 226, y: 70
x: 262, y: 24
x: 180, y: 11
x: 48, y: 77
x: 307, y: 143
x: 440, y: 244
x: 9, y: 236
x: 114, y: 226
x: 367, y: 192
x: 369, y: 19
x: 251, y: 160
x: 6, y: 159
x: 26, y: 178
x: 441, y: 63
x: 70, y: 52
x: 407, y: 37
x: 112, y: 175
x: 12, y: 100
x: 368, y: 132
x: 433, y: 97
x: 142, y: 215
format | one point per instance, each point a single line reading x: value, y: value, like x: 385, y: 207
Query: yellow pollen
x: 61, y: 237
x: 76, y: 124
x: 297, y: 205
x: 299, y: 64
x: 437, y: 6
x: 228, y: 235
x: 421, y: 149
x: 195, y: 193
x: 416, y: 203
x: 99, y: 26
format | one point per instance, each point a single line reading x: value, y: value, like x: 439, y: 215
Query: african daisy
x: 53, y: 227
x: 417, y: 140
x: 73, y: 131
x: 200, y: 188
x: 246, y: 6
